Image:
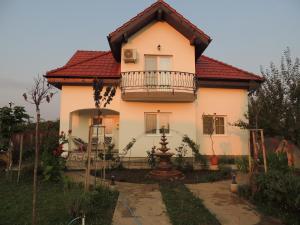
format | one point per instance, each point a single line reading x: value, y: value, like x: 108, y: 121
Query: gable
x: 160, y: 39
x: 159, y: 11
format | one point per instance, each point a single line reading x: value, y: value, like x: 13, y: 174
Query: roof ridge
x: 186, y: 20
x: 149, y: 8
x: 133, y: 18
x: 77, y: 63
x: 226, y: 64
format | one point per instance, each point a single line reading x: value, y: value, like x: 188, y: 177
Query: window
x: 213, y: 124
x: 154, y: 122
x: 155, y: 63
x: 158, y: 62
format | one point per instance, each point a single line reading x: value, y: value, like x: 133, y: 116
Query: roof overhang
x: 159, y: 11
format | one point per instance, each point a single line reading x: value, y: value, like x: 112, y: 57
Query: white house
x: 156, y: 60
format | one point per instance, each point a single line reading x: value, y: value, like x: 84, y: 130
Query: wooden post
x: 20, y: 158
x: 254, y: 146
x: 88, y: 169
x: 264, y: 149
x: 249, y: 148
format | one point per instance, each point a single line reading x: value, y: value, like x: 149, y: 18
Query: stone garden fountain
x: 164, y: 170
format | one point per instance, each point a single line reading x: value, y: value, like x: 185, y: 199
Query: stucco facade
x: 204, y: 88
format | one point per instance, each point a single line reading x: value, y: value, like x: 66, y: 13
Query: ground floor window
x: 213, y: 124
x: 155, y: 122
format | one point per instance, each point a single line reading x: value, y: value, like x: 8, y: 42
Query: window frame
x: 214, y: 125
x: 157, y: 123
x: 158, y: 61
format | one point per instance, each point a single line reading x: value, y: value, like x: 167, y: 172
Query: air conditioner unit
x: 129, y: 55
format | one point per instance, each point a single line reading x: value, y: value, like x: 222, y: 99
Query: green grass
x: 53, y: 203
x: 183, y: 207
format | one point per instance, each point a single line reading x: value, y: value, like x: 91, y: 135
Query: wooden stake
x: 264, y: 149
x: 20, y: 158
x: 88, y: 169
x: 249, y: 150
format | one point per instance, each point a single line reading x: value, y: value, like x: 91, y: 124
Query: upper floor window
x: 158, y: 62
x: 213, y: 124
x: 155, y: 122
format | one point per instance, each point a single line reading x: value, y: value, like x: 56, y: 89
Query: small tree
x: 40, y: 92
x: 101, y: 101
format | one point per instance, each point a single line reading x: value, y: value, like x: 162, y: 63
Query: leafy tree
x: 275, y: 106
x: 12, y: 120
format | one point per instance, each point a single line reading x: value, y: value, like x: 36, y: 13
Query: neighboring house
x: 164, y: 80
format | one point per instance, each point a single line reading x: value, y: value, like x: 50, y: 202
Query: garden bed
x: 142, y: 176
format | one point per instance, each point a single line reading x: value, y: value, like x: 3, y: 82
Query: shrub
x: 195, y: 149
x: 92, y: 204
x: 279, y: 193
x: 244, y: 191
x: 278, y: 161
x: 151, y: 157
x: 180, y: 157
x: 242, y: 164
x: 224, y: 159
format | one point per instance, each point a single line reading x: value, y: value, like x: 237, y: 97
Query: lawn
x: 183, y: 207
x: 53, y: 203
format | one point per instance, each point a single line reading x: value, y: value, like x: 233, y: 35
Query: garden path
x: 227, y: 207
x: 140, y: 204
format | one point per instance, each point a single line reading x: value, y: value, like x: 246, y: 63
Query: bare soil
x: 141, y: 176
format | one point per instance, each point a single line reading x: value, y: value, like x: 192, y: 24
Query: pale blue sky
x: 36, y: 36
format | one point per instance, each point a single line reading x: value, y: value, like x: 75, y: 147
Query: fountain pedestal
x: 164, y: 170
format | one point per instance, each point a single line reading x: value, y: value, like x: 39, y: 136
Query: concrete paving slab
x: 140, y: 204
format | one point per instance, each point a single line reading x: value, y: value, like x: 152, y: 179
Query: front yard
x: 56, y: 203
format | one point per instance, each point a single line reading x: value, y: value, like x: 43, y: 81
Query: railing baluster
x: 159, y: 80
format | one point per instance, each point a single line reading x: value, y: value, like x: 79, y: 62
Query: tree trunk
x: 36, y: 162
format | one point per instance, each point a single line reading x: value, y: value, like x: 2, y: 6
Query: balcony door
x: 157, y: 71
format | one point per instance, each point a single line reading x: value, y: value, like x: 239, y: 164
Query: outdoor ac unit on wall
x: 129, y: 55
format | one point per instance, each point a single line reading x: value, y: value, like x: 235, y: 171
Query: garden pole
x: 87, y: 174
x: 264, y: 149
x: 20, y: 158
x: 249, y: 148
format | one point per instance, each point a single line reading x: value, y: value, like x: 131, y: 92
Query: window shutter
x: 150, y: 123
x: 207, y: 124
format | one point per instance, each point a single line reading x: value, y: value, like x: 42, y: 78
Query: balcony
x: 158, y: 86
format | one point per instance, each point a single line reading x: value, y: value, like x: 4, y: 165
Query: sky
x: 37, y: 36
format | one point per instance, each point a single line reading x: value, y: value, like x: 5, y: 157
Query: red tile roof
x: 209, y: 68
x: 102, y: 64
x: 89, y: 64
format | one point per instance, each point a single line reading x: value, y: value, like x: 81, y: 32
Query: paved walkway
x: 227, y: 207
x: 140, y: 204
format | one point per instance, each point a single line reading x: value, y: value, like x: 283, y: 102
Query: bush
x: 277, y: 193
x: 93, y: 204
x: 224, y: 159
x: 278, y: 161
x: 151, y: 158
x: 244, y: 191
x: 242, y: 164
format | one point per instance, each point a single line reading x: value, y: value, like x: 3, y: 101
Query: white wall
x: 171, y: 41
x: 186, y: 118
x: 232, y: 103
